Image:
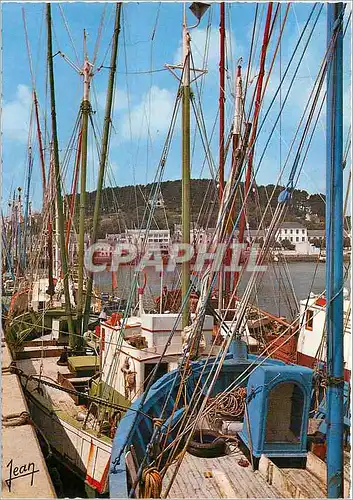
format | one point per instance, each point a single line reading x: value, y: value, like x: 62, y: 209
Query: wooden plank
x: 131, y: 467
x: 176, y: 491
x: 75, y: 380
x: 223, y: 483
x: 318, y: 468
x: 39, y: 343
x: 38, y: 352
x: 207, y: 486
x: 24, y: 470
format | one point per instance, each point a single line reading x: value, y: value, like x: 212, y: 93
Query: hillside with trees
x: 128, y: 206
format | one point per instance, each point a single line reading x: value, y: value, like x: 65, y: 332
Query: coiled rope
x: 151, y: 486
x: 231, y: 405
x: 16, y: 419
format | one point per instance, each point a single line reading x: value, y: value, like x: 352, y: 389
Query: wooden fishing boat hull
x: 79, y: 450
x: 135, y: 430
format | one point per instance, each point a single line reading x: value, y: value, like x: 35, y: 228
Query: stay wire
x: 99, y: 35
x: 69, y: 34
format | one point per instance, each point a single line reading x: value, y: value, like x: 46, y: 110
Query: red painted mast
x: 222, y: 36
x: 256, y: 117
x: 40, y: 143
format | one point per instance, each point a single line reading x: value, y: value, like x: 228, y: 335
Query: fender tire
x: 206, y: 443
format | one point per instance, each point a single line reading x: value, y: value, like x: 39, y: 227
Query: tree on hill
x: 129, y: 205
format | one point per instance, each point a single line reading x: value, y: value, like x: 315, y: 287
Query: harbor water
x: 278, y: 291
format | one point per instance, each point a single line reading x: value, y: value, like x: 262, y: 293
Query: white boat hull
x: 79, y: 450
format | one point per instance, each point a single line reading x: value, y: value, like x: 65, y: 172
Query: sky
x: 150, y: 37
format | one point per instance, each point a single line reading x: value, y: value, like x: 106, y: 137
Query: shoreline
x: 306, y: 258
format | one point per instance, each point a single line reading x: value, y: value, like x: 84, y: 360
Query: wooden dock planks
x: 24, y: 471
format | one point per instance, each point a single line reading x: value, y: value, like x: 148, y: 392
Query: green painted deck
x: 83, y: 364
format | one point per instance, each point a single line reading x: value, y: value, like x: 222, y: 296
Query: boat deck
x: 226, y: 477
x: 21, y: 451
x: 48, y: 369
x: 42, y: 363
x: 220, y: 477
x: 305, y: 482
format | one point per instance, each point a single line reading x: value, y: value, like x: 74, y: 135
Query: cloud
x: 16, y: 115
x: 307, y: 73
x: 120, y: 100
x: 151, y: 116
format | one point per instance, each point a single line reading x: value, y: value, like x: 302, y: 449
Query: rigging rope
x: 279, y: 210
x: 233, y: 385
x: 155, y: 191
x: 74, y: 392
x: 99, y: 36
x: 69, y: 33
x: 151, y: 483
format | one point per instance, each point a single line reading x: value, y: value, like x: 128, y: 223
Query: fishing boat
x: 45, y: 310
x: 81, y: 367
x: 79, y: 396
x: 238, y: 425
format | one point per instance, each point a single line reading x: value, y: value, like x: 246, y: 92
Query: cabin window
x: 309, y: 319
x: 284, y: 414
x: 149, y: 367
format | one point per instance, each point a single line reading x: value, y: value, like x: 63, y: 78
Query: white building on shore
x: 155, y: 237
x: 293, y: 232
x: 296, y: 234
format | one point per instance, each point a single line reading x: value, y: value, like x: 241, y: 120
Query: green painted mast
x: 60, y: 209
x: 86, y: 109
x: 185, y: 204
x: 198, y: 9
x: 104, y: 154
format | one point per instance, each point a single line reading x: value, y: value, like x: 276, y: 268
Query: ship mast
x: 59, y: 200
x: 198, y: 9
x: 221, y: 129
x: 86, y: 109
x: 334, y: 252
x: 235, y: 166
x: 19, y: 235
x: 222, y: 36
x: 185, y: 203
x: 258, y: 100
x: 103, y: 155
